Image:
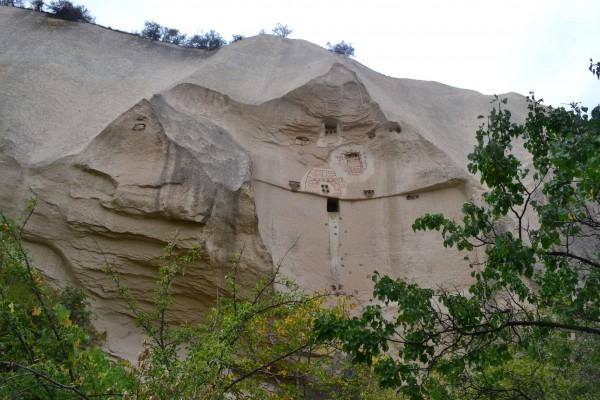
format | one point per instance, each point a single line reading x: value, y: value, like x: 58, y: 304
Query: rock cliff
x: 275, y: 146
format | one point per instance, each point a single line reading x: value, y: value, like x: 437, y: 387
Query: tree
x: 64, y: 9
x: 172, y: 35
x: 210, y: 40
x: 281, y: 30
x: 236, y: 38
x: 537, y: 228
x: 48, y: 348
x: 37, y: 5
x: 152, y: 30
x: 253, y: 345
x: 342, y: 48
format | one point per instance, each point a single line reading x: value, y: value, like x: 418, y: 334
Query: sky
x: 492, y: 47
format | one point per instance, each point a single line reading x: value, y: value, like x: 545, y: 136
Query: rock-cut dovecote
x: 271, y: 148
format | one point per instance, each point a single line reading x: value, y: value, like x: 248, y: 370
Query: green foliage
x: 343, y: 48
x: 256, y: 346
x: 533, y: 242
x: 65, y: 9
x: 172, y: 35
x: 47, y: 344
x: 559, y: 367
x: 154, y: 31
x: 210, y: 40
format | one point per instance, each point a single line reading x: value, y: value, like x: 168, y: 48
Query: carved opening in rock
x: 395, y: 128
x: 139, y: 126
x: 412, y: 196
x: 333, y: 205
x: 302, y: 140
x: 330, y: 128
x: 324, y: 188
x: 355, y: 164
x: 294, y: 185
x: 369, y: 192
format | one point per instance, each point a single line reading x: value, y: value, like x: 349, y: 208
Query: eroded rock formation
x: 296, y: 155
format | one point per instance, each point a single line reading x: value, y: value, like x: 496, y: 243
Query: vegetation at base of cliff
x: 254, y: 346
x: 258, y: 345
x: 48, y: 348
x: 528, y: 327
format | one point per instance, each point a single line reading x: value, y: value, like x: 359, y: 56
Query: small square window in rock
x: 333, y: 205
x: 330, y: 128
x: 369, y: 192
x: 325, y: 188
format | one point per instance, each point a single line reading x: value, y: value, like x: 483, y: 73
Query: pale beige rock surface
x: 272, y: 145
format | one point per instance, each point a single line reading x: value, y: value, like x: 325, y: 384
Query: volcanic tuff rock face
x: 274, y: 146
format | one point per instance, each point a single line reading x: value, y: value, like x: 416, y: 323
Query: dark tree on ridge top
x: 65, y: 9
x: 342, y: 48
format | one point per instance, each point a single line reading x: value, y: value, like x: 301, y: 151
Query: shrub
x: 236, y: 38
x: 172, y: 35
x: 255, y: 345
x: 64, y: 9
x: 152, y: 30
x: 47, y: 344
x: 342, y: 48
x: 210, y: 40
x: 282, y: 30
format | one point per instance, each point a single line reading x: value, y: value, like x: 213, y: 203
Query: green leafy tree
x: 257, y: 345
x: 154, y: 31
x: 210, y: 40
x: 48, y: 348
x: 537, y: 231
